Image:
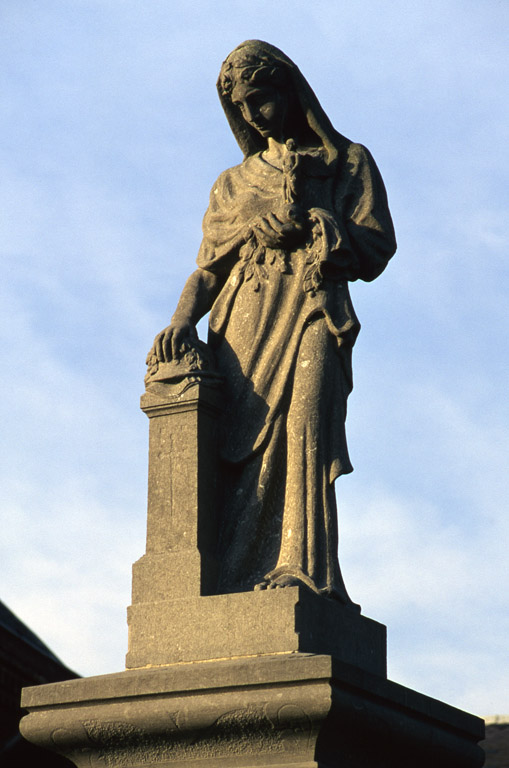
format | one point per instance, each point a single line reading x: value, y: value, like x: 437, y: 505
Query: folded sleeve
x: 362, y: 200
x: 223, y: 227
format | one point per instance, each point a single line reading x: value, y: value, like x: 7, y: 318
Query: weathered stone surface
x: 245, y: 649
x: 285, y: 710
x: 171, y: 619
x: 180, y: 557
x: 253, y: 623
x: 303, y: 215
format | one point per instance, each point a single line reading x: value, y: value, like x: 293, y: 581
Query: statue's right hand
x: 269, y: 231
x: 172, y: 342
x: 282, y: 231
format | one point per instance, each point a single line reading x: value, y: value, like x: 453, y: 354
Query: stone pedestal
x: 174, y: 616
x: 253, y: 623
x: 283, y: 678
x: 298, y: 710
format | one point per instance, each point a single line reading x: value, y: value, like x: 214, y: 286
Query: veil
x: 249, y: 140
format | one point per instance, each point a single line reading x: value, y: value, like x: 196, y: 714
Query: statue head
x: 264, y: 94
x: 256, y: 85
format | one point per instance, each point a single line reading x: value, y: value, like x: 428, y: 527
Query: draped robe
x: 282, y: 330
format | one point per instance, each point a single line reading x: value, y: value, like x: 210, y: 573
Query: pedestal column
x: 182, y: 476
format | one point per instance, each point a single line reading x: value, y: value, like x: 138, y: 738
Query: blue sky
x: 111, y: 138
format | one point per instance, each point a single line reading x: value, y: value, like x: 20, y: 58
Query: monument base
x: 289, y: 710
x: 250, y: 624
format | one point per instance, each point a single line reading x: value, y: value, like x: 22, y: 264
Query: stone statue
x: 286, y: 230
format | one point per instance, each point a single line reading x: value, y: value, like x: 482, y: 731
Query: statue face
x: 263, y: 108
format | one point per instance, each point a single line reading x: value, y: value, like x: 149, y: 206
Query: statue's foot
x: 286, y: 577
x: 278, y: 582
x: 284, y: 580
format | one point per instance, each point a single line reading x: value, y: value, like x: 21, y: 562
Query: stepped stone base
x: 250, y: 624
x: 289, y: 710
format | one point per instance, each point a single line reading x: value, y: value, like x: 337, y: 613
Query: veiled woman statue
x: 304, y: 214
